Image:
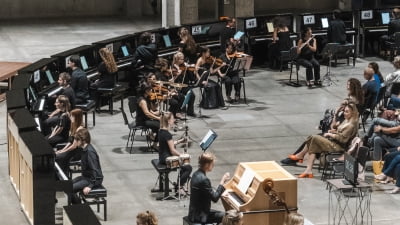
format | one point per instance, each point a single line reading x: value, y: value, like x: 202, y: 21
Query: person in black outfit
x: 167, y: 149
x: 280, y: 42
x: 393, y: 27
x: 228, y: 76
x: 79, y: 81
x: 144, y: 59
x: 64, y: 80
x: 107, y: 70
x: 61, y: 120
x: 227, y: 33
x: 202, y: 193
x: 337, y: 29
x: 187, y: 45
x: 369, y: 89
x: 306, y: 47
x: 92, y: 175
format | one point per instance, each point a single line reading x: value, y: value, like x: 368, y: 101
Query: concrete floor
x: 272, y: 125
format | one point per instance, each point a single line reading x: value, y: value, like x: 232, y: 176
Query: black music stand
x: 329, y: 51
x: 208, y: 139
x: 186, y: 133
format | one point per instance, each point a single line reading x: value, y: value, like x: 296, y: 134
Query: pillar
x: 244, y: 8
x: 171, y: 13
x: 189, y: 11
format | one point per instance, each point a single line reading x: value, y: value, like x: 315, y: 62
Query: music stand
x: 329, y: 51
x: 208, y: 139
x: 186, y: 133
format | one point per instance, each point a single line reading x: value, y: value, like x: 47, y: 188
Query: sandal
x: 380, y: 177
x: 395, y: 190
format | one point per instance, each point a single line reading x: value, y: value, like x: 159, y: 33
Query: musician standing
x: 92, y: 175
x: 337, y: 29
x: 187, y: 45
x: 306, y: 48
x: 167, y: 148
x: 228, y: 33
x: 202, y: 193
x: 230, y: 77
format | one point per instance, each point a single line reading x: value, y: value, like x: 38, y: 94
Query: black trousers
x: 184, y: 173
x: 78, y: 184
x: 309, y: 65
x: 232, y: 81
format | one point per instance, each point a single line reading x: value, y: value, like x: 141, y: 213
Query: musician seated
x: 306, y: 48
x: 92, y: 175
x: 107, y: 70
x: 202, y: 193
x: 337, y: 29
x: 64, y: 80
x: 393, y: 27
x: 233, y: 217
x: 71, y: 150
x: 335, y: 140
x: 228, y: 76
x: 147, y: 113
x: 79, y: 81
x: 280, y: 42
x: 62, y: 123
x: 167, y: 148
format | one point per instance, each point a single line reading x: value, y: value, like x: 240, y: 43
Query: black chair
x: 283, y: 58
x: 89, y: 106
x: 109, y: 94
x: 394, y: 46
x: 163, y: 179
x: 293, y: 62
x: 97, y: 196
x: 345, y: 51
x: 132, y: 131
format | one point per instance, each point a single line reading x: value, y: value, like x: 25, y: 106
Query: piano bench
x: 97, y: 196
x: 87, y: 107
x: 116, y: 92
x: 187, y: 222
x: 163, y: 177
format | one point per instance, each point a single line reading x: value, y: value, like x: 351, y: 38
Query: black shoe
x: 192, y: 114
x: 318, y: 83
x: 288, y: 161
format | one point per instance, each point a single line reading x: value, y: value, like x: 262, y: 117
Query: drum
x: 185, y: 159
x: 172, y: 162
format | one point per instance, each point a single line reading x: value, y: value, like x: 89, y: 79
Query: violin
x: 216, y: 61
x: 159, y: 89
x: 187, y: 67
x: 156, y: 96
x: 236, y: 54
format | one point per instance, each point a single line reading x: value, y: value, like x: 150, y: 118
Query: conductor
x: 202, y: 193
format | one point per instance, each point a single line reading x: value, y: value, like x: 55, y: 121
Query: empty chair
x: 132, y: 131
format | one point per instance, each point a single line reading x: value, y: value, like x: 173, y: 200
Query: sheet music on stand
x: 208, y: 140
x: 243, y: 63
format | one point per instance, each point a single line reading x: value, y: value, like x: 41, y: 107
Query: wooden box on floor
x: 251, y: 198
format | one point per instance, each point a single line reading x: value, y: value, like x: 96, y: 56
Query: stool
x: 187, y: 222
x: 96, y: 196
x: 87, y: 107
x: 163, y: 178
x: 113, y: 93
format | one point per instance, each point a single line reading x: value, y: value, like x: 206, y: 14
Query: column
x: 244, y: 8
x: 189, y: 11
x: 171, y: 13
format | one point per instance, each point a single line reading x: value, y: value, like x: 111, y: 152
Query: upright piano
x: 245, y: 192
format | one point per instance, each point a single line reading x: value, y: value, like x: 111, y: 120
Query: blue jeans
x: 383, y: 141
x: 382, y: 122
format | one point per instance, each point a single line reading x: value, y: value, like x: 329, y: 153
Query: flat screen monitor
x: 84, y: 63
x: 385, y: 18
x: 31, y: 95
x: 325, y: 23
x: 367, y: 15
x: 49, y: 77
x: 350, y: 169
x: 125, y: 51
x: 167, y: 41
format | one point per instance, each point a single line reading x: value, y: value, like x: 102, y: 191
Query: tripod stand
x: 185, y: 135
x: 329, y: 50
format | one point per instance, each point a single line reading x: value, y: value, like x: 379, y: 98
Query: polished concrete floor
x: 273, y: 123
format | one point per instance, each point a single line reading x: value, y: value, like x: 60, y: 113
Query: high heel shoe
x: 294, y: 158
x: 306, y: 175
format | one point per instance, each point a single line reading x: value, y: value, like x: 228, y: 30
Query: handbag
x: 377, y: 166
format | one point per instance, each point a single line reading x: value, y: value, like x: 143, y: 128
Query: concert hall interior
x: 267, y: 119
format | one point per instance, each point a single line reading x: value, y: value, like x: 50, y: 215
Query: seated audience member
x: 146, y: 218
x: 368, y: 138
x: 294, y: 219
x: 354, y: 95
x: 167, y: 149
x: 393, y: 77
x: 391, y: 170
x: 370, y: 89
x: 71, y: 150
x: 92, y: 175
x: 79, y: 81
x: 202, y: 193
x: 147, y: 115
x: 229, y: 77
x: 377, y: 73
x: 64, y: 80
x: 107, y: 70
x: 384, y: 138
x: 335, y: 140
x: 60, y: 131
x: 232, y: 217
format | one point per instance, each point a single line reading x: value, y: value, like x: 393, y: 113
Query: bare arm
x: 275, y: 35
x: 313, y: 47
x: 143, y: 106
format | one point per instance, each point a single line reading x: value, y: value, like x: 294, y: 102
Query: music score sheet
x: 245, y: 181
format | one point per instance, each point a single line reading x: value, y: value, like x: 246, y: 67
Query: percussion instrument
x: 172, y: 162
x: 185, y: 159
x: 178, y: 85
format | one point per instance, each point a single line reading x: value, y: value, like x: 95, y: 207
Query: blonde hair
x: 206, y: 158
x: 294, y: 219
x: 108, y: 60
x: 177, y: 56
x: 147, y: 218
x: 396, y: 62
x: 64, y: 101
x: 165, y: 117
x: 232, y: 217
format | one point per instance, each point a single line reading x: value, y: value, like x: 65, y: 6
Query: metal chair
x: 293, y: 61
x: 132, y: 131
x: 394, y: 45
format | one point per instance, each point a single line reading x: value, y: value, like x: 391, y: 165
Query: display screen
x: 49, y: 77
x: 324, y: 22
x: 124, y: 50
x: 84, y: 63
x: 385, y: 18
x: 167, y: 41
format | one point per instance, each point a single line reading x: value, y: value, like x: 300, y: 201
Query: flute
x: 305, y: 43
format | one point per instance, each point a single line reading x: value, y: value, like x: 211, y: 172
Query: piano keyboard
x: 41, y: 104
x: 38, y: 123
x: 55, y: 91
x: 235, y: 198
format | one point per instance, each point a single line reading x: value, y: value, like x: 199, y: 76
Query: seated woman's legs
x: 185, y: 172
x: 228, y: 87
x: 154, y: 126
x: 316, y: 67
x: 308, y: 65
